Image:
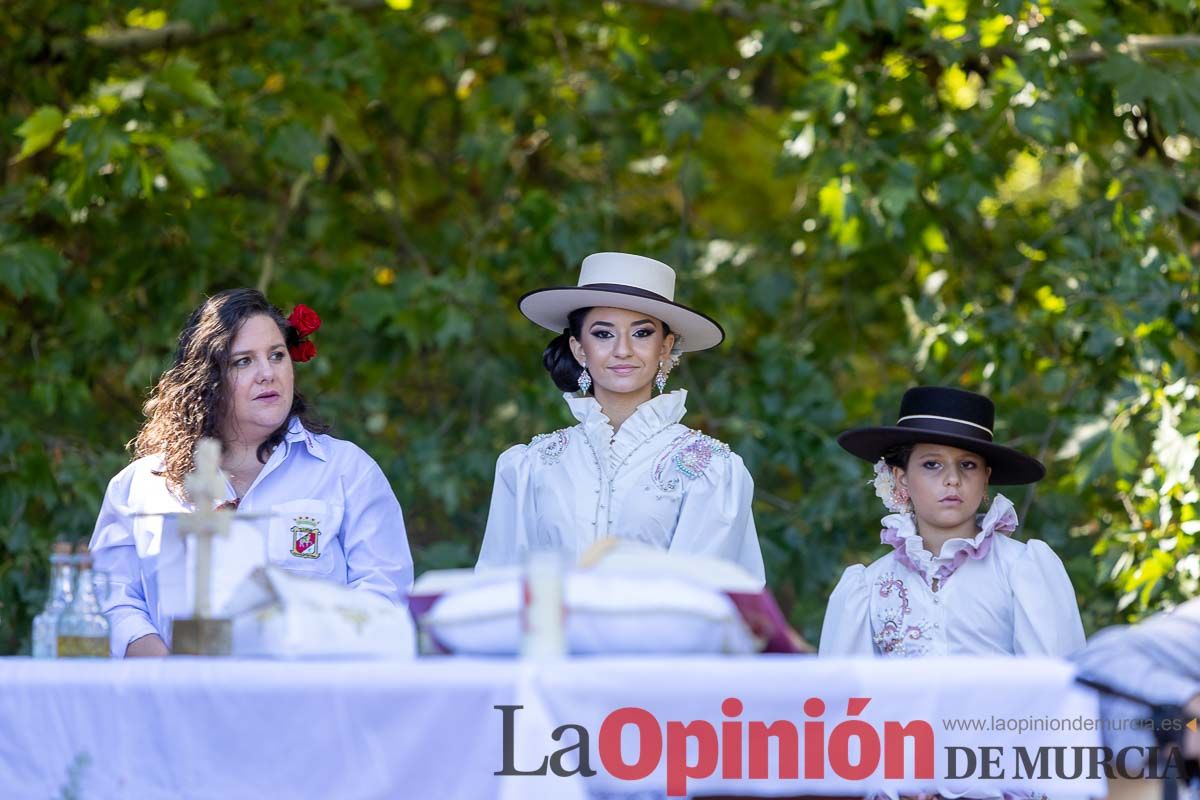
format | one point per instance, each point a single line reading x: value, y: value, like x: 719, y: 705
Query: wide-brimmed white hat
x: 623, y: 280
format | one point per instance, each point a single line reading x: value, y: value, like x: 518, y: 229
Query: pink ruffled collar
x: 900, y: 531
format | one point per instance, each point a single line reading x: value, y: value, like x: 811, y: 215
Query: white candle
x: 545, y: 635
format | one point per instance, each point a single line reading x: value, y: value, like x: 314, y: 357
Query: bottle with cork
x: 62, y: 589
x: 82, y: 628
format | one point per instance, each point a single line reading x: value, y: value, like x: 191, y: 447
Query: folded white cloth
x: 278, y: 614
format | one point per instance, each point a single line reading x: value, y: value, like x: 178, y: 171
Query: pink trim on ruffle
x: 900, y: 532
x: 891, y: 536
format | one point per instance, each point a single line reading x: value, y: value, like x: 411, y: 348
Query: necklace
x: 243, y: 474
x: 241, y: 480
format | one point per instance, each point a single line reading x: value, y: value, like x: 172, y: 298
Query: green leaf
x: 890, y: 14
x: 39, y: 130
x: 599, y: 98
x: 100, y: 143
x: 934, y: 240
x: 508, y: 93
x: 30, y: 269
x: 189, y: 163
x: 1133, y: 81
x: 295, y: 146
x: 854, y: 14
x: 372, y: 307
x: 1176, y: 453
x: 1126, y: 455
x: 682, y: 121
x: 899, y: 190
x: 197, y: 12
x: 832, y: 201
x: 691, y: 177
x: 572, y: 243
x: 1089, y: 13
x: 182, y: 76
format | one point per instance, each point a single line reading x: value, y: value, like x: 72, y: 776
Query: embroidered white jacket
x: 654, y: 481
x: 989, y: 595
x: 339, y: 495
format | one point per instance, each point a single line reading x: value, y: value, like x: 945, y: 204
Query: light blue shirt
x: 1158, y: 659
x: 333, y: 516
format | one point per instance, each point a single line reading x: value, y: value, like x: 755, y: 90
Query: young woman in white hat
x: 955, y: 582
x: 628, y: 469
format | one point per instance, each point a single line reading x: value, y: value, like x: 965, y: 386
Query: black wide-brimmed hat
x: 623, y: 280
x: 944, y: 415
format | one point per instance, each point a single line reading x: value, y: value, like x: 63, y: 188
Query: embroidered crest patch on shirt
x: 304, y: 537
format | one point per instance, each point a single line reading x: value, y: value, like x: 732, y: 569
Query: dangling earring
x: 987, y: 500
x: 660, y: 380
x: 585, y: 380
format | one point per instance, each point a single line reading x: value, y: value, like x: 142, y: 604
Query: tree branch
x: 1047, y: 440
x: 281, y: 223
x: 1185, y: 41
x: 294, y: 198
x: 402, y: 243
x: 181, y: 34
x: 132, y: 41
x: 720, y: 9
x: 1137, y: 43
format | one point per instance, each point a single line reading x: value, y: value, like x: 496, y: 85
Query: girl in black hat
x: 628, y: 469
x: 955, y: 583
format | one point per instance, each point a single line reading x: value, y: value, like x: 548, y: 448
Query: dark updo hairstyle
x: 898, y: 456
x: 191, y: 399
x: 558, y: 359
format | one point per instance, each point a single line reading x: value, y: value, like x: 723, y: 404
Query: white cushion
x: 607, y: 611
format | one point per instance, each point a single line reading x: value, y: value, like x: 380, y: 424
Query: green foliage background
x: 868, y: 194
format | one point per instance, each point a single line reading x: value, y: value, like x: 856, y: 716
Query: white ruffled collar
x: 900, y: 531
x: 651, y: 418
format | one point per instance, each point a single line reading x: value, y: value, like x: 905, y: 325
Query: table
x: 430, y: 728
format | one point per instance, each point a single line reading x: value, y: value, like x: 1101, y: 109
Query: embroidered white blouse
x: 988, y: 595
x: 653, y: 480
x: 350, y: 530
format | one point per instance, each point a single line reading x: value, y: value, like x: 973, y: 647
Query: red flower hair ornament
x: 304, y: 321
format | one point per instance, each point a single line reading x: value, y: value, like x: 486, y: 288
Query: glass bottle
x: 82, y: 628
x: 45, y: 624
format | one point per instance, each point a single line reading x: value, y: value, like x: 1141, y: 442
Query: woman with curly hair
x: 333, y: 514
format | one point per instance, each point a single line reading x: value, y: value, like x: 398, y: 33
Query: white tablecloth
x: 197, y: 728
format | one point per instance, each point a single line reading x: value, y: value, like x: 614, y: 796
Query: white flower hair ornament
x: 894, y: 497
